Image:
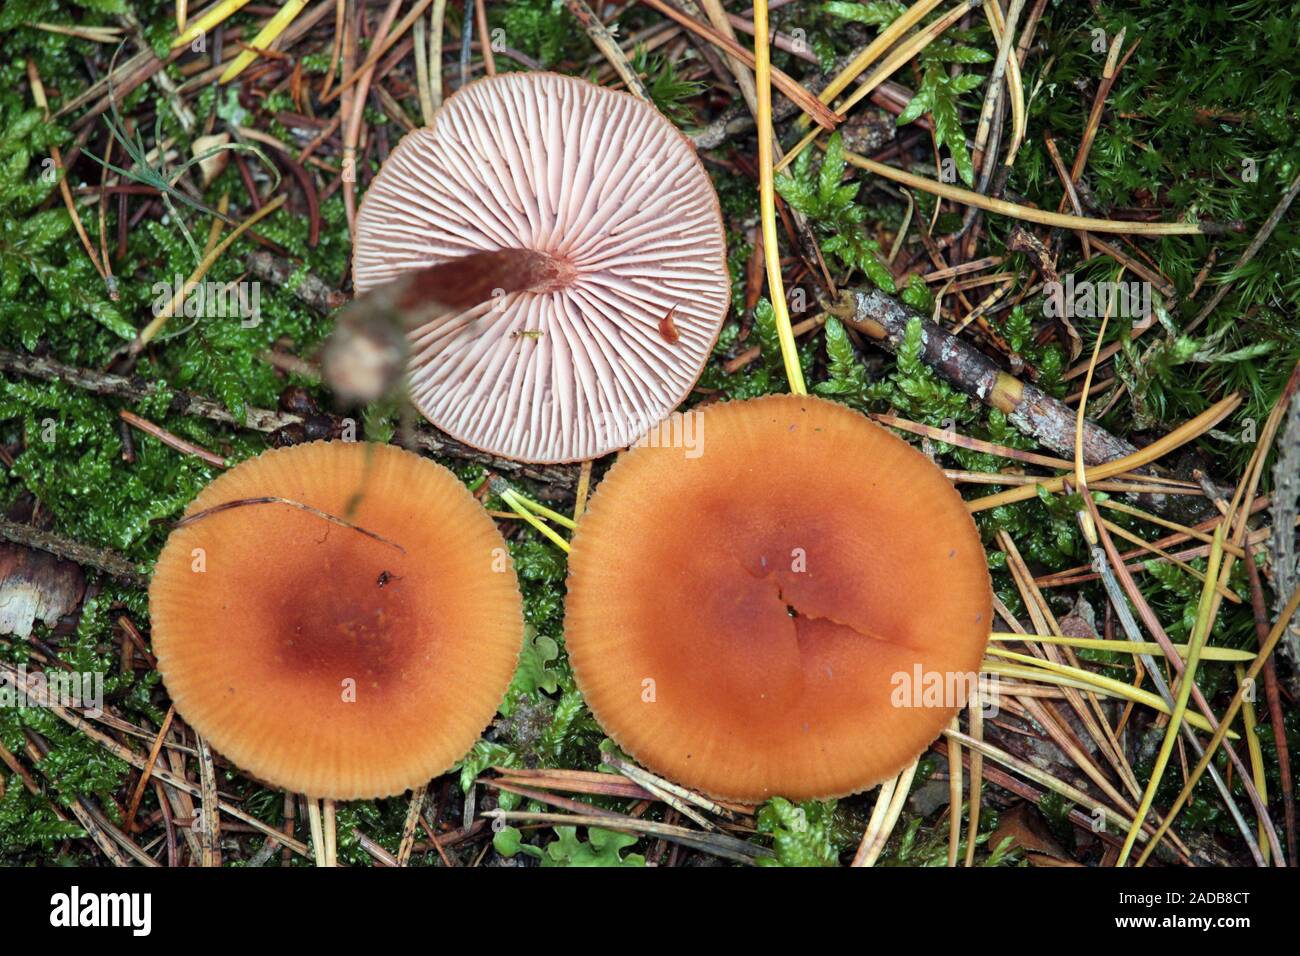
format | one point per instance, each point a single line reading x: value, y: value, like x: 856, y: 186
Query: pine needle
x: 767, y: 201
x: 1028, y: 213
x: 1204, y: 623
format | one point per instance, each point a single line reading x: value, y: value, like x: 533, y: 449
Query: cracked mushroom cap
x: 343, y: 660
x: 753, y: 595
x: 605, y: 185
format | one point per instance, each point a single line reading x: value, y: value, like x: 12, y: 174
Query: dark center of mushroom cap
x: 339, y: 619
x: 345, y: 632
x: 344, y: 621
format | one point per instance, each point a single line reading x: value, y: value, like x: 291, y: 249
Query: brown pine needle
x: 383, y: 46
x: 814, y: 107
x: 485, y: 37
x: 38, y: 94
x: 172, y: 441
x: 605, y: 42
x: 974, y: 444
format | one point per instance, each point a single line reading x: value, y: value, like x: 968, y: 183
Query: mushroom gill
x: 614, y: 198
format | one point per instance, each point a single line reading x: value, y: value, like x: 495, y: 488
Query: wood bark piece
x: 36, y: 586
x: 1286, y: 504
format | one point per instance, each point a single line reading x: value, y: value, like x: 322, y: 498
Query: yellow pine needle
x: 900, y: 56
x: 1145, y: 545
x: 877, y: 820
x: 182, y: 14
x: 879, y: 45
x: 1001, y: 207
x: 1063, y: 675
x: 1238, y: 699
x: 218, y: 224
x: 954, y: 794
x: 998, y: 24
x: 563, y: 521
x: 211, y: 17
x: 1204, y: 622
x: 584, y: 489
x: 317, y: 825
x: 1201, y: 536
x: 517, y: 506
x: 1256, y: 752
x: 767, y: 200
x: 1040, y: 777
x: 875, y: 838
x: 1122, y: 647
x: 1080, y: 472
x: 265, y: 37
x: 1184, y: 433
x: 789, y: 157
x: 153, y: 328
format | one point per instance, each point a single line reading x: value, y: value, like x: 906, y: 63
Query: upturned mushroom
x: 593, y: 240
x: 338, y: 619
x: 773, y: 611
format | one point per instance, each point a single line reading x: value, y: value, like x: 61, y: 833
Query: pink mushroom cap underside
x: 601, y: 181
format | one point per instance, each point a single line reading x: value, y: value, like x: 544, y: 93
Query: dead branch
x: 884, y: 319
x: 137, y: 389
x: 101, y: 559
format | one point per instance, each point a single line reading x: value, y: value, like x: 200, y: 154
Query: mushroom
x: 338, y: 619
x: 750, y: 612
x: 633, y: 284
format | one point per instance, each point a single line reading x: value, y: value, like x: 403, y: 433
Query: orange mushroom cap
x: 749, y: 614
x: 350, y: 656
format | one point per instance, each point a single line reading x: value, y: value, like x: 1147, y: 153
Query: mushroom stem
x: 317, y: 831
x: 365, y: 357
x: 331, y: 834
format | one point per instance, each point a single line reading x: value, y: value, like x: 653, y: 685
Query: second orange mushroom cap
x: 753, y: 598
